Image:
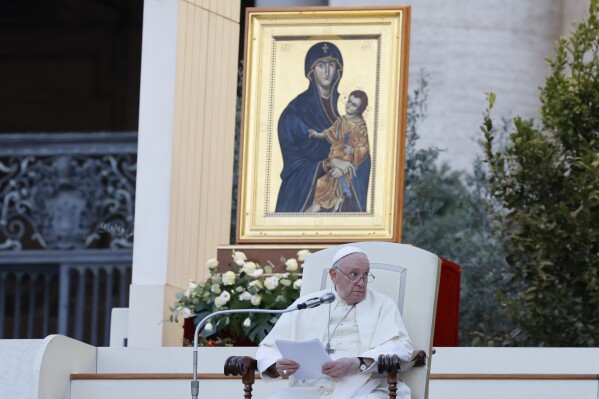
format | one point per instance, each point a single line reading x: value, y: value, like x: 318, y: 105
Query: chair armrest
x: 244, y: 366
x: 392, y: 364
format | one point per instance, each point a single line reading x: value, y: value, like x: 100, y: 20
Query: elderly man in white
x: 356, y: 328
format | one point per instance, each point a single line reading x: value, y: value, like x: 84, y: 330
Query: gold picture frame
x: 323, y: 125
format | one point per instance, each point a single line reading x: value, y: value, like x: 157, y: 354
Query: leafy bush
x: 445, y: 212
x: 546, y: 182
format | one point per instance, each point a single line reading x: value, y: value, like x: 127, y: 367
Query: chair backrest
x: 409, y: 276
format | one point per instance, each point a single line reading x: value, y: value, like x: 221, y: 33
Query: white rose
x: 186, y: 313
x: 218, y: 302
x: 297, y: 284
x: 257, y: 284
x: 291, y: 265
x: 208, y: 327
x: 247, y: 322
x: 285, y: 282
x: 303, y: 254
x: 257, y: 273
x: 246, y: 296
x: 229, y: 278
x: 239, y: 258
x: 271, y: 283
x: 249, y: 267
x: 256, y: 299
x: 191, y: 286
x: 225, y: 296
x: 215, y: 288
x: 212, y: 263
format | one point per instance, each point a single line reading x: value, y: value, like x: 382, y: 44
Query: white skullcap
x: 343, y: 252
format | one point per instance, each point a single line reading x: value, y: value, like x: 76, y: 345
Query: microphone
x: 310, y: 303
x: 314, y: 302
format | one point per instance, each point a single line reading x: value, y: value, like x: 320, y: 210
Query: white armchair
x: 409, y: 276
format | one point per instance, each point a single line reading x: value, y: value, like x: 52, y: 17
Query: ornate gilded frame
x: 374, y: 43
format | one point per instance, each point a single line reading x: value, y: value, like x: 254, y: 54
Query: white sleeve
x: 266, y: 356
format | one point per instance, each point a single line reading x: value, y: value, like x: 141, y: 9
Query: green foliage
x: 445, y: 212
x: 547, y: 184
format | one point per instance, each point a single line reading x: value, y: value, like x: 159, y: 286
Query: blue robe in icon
x: 304, y: 157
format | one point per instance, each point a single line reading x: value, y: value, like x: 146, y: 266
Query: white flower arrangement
x: 291, y: 265
x: 248, y: 285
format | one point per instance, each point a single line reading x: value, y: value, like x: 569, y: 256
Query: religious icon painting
x: 323, y: 125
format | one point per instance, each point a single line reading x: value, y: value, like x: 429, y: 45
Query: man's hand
x: 341, y: 367
x: 283, y: 368
x: 344, y: 166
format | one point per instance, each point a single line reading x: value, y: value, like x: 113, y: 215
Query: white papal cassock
x: 373, y: 327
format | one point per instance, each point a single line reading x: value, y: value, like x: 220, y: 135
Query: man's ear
x: 333, y: 275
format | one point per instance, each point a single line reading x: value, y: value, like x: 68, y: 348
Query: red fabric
x: 448, y: 305
x: 188, y: 328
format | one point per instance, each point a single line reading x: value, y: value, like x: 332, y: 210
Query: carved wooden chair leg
x: 392, y: 380
x: 392, y: 366
x: 246, y: 367
x: 389, y: 364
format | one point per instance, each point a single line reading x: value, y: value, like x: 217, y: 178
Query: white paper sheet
x: 310, y: 355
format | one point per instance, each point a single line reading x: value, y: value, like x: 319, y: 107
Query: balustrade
x: 60, y: 270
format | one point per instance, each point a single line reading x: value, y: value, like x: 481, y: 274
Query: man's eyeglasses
x: 354, y: 277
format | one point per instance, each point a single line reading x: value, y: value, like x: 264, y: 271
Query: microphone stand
x: 195, y: 384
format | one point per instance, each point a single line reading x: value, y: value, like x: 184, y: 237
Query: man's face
x: 324, y: 71
x: 352, y: 105
x: 351, y: 292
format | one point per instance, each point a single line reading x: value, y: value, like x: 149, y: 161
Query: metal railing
x: 73, y: 297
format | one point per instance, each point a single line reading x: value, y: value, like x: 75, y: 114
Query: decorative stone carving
x: 59, y: 201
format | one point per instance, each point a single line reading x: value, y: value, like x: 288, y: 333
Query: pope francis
x: 355, y: 329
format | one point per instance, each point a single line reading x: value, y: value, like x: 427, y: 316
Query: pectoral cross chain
x: 329, y: 349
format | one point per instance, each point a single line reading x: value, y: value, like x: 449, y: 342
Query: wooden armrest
x: 388, y: 364
x: 244, y: 366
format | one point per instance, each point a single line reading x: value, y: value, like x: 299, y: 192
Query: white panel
x: 516, y: 360
x: 145, y: 315
x: 156, y: 389
x: 156, y: 112
x: 17, y: 358
x: 119, y: 326
x: 512, y: 389
x: 58, y: 358
x: 166, y: 360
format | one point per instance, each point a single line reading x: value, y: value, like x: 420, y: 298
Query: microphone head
x: 327, y: 298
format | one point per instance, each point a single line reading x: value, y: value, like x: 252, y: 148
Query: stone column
x: 185, y: 155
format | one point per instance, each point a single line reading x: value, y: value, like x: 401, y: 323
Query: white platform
x: 42, y: 368
x: 517, y: 362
